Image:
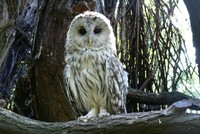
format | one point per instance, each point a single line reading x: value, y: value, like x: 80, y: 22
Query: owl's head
x: 90, y: 30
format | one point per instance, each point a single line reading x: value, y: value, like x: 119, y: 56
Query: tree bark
x: 50, y: 101
x: 7, y: 29
x: 166, y: 98
x: 138, y: 123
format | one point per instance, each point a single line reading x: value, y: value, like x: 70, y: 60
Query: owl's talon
x: 103, y: 113
x: 86, y: 118
x: 89, y: 116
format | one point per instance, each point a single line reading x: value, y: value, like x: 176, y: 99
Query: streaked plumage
x: 95, y: 82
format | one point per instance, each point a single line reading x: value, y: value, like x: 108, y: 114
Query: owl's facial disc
x: 82, y: 31
x: 91, y: 31
x: 91, y: 34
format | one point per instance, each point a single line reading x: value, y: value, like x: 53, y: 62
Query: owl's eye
x: 97, y: 30
x: 82, y: 31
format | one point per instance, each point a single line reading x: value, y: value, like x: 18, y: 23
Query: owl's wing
x: 69, y: 94
x: 117, y: 84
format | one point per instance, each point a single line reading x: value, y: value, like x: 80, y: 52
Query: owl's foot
x: 103, y: 112
x: 89, y: 116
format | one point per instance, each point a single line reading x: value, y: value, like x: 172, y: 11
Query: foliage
x: 151, y: 47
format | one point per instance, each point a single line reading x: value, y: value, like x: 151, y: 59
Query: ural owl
x: 95, y: 82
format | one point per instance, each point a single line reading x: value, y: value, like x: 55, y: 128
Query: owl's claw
x: 103, y: 112
x: 89, y: 116
x: 86, y: 118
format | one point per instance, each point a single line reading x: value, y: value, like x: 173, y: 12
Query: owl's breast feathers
x: 95, y: 79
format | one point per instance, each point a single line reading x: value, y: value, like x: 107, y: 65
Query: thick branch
x: 150, y: 122
x: 166, y: 98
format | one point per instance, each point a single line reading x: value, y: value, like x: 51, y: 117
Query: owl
x: 95, y: 81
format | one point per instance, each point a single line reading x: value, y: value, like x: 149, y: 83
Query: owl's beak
x: 90, y: 41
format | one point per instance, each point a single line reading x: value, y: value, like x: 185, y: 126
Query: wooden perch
x: 156, y: 122
x: 167, y: 98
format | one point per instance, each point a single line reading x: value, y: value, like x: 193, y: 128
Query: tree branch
x: 166, y: 98
x: 144, y: 122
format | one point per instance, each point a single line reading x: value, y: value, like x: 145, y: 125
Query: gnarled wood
x: 145, y: 122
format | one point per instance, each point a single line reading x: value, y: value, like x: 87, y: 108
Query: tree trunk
x: 7, y: 29
x: 50, y: 101
x: 55, y: 17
